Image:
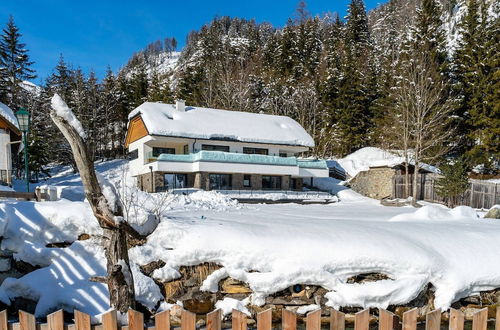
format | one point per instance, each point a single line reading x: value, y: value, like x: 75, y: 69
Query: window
x: 271, y: 182
x: 212, y: 147
x: 247, y: 183
x: 256, y: 151
x: 134, y: 154
x: 174, y: 181
x: 220, y: 181
x: 158, y: 151
x: 186, y: 149
x: 283, y: 154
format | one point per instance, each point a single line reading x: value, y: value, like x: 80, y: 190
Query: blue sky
x: 93, y: 34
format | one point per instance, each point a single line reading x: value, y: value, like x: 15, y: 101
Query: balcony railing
x: 232, y: 157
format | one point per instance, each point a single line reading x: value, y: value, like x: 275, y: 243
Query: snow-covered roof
x: 8, y: 114
x: 205, y: 123
x: 365, y: 158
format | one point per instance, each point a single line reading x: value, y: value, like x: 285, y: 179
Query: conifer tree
x: 454, y: 182
x: 15, y: 64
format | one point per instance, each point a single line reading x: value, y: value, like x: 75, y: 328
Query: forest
x: 417, y: 77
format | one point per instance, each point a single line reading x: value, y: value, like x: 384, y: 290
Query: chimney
x: 180, y: 105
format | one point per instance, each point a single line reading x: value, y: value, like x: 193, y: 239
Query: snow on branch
x: 62, y: 110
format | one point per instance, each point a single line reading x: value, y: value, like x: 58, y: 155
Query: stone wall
x: 374, y: 183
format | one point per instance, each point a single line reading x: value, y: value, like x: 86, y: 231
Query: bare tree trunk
x: 119, y: 275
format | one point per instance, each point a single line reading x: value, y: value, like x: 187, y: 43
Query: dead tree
x: 110, y: 217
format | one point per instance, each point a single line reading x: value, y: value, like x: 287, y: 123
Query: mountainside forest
x: 418, y: 76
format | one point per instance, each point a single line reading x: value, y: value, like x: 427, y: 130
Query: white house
x: 179, y: 146
x: 10, y: 136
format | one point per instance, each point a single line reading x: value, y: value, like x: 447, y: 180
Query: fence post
x: 188, y: 320
x: 313, y: 320
x: 55, y: 321
x: 456, y: 319
x: 110, y: 320
x: 288, y: 320
x: 480, y: 320
x: 385, y: 320
x: 472, y: 195
x: 362, y: 320
x: 82, y: 320
x: 265, y: 320
x: 26, y: 321
x: 239, y: 321
x: 3, y: 320
x: 162, y: 320
x: 410, y: 319
x: 433, y: 320
x: 337, y: 320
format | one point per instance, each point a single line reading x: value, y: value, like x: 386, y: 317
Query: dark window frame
x: 176, y: 175
x: 157, y: 151
x: 134, y: 154
x: 255, y: 151
x: 247, y: 177
x: 215, y: 181
x: 275, y: 182
x: 214, y: 147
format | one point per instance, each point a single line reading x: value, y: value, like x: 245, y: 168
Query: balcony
x: 230, y: 162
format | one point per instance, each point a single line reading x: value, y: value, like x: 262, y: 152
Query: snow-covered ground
x: 270, y: 247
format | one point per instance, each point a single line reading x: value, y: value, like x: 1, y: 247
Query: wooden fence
x: 313, y: 321
x: 480, y: 195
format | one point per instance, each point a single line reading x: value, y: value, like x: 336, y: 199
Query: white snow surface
x: 62, y: 110
x: 8, y: 114
x: 269, y: 247
x: 228, y: 304
x: 364, y: 158
x: 206, y: 123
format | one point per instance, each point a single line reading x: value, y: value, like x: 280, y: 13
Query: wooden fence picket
x: 289, y: 320
x: 410, y: 319
x: 162, y: 321
x: 385, y: 320
x: 265, y: 320
x: 239, y: 320
x: 55, y: 321
x: 4, y: 324
x: 480, y: 320
x: 27, y: 321
x: 188, y: 320
x: 110, y: 321
x: 135, y: 320
x: 362, y: 320
x: 433, y: 320
x: 497, y: 326
x: 456, y: 319
x: 313, y: 320
x: 337, y: 320
x: 82, y: 321
x: 214, y: 320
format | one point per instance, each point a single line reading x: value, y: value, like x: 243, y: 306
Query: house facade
x: 178, y: 146
x: 10, y: 137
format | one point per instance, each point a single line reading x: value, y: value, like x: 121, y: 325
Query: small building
x: 175, y: 146
x: 10, y: 135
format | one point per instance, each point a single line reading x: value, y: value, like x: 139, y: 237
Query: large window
x: 257, y: 151
x: 271, y: 182
x: 174, y: 181
x: 220, y: 181
x: 213, y: 147
x: 134, y: 154
x: 158, y: 151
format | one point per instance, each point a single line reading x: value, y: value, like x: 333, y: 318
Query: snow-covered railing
x: 266, y: 320
x: 232, y: 157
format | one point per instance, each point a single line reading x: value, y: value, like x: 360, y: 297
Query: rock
x: 83, y: 237
x: 148, y: 269
x: 230, y: 285
x: 199, y: 306
x: 24, y: 267
x: 368, y: 277
x: 6, y: 253
x: 175, y: 315
x: 200, y: 323
x: 493, y: 213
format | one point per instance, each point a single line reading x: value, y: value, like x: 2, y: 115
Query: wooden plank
x: 265, y: 320
x: 433, y: 320
x: 188, y: 320
x: 497, y: 327
x: 82, y: 321
x: 110, y: 321
x: 55, y: 321
x: 289, y: 320
x: 27, y: 321
x: 410, y: 319
x: 4, y: 324
x: 385, y: 320
x: 239, y: 320
x: 18, y: 195
x: 480, y: 320
x: 337, y: 320
x: 313, y: 320
x: 162, y: 321
x: 456, y: 319
x: 135, y: 320
x: 362, y: 320
x: 214, y: 320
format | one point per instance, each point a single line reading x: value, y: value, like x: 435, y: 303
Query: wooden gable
x: 136, y: 130
x: 8, y: 126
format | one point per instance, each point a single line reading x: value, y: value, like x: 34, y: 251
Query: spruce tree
x: 15, y: 64
x: 454, y: 182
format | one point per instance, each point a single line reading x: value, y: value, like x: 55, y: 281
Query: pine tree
x: 454, y: 183
x: 14, y: 63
